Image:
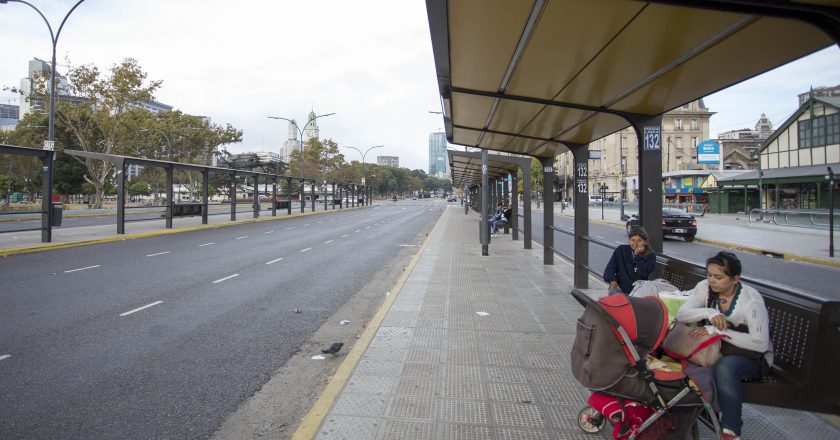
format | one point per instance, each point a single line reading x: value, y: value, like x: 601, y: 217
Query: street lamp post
x: 300, y: 131
x: 168, y: 141
x: 46, y: 228
x: 364, y: 184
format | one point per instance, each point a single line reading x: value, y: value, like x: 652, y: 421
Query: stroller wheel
x: 590, y: 420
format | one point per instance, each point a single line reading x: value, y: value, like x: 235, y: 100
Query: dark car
x: 675, y: 222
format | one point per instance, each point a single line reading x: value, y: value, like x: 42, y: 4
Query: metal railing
x: 813, y: 219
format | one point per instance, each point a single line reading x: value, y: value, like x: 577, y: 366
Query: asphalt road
x: 163, y: 337
x: 814, y: 278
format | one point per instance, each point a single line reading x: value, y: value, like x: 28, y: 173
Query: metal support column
x: 526, y: 204
x: 170, y: 177
x: 506, y: 201
x: 233, y: 197
x: 312, y: 195
x: 548, y: 209
x: 46, y: 191
x: 256, y: 201
x: 484, y: 228
x: 514, y: 205
x: 324, y: 193
x: 580, y: 153
x: 205, y: 196
x: 333, y: 194
x: 289, y: 196
x: 120, y: 166
x: 302, y: 197
x: 274, y: 197
x: 649, y: 132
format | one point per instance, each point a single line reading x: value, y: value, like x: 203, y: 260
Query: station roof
x: 465, y: 167
x: 526, y: 76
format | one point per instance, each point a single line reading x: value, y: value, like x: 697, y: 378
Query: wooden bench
x: 805, y: 331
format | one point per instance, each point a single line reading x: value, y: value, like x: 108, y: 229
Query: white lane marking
x: 274, y: 261
x: 5, y: 356
x: 290, y: 227
x: 141, y: 308
x: 328, y: 242
x: 307, y: 225
x: 345, y: 235
x: 159, y: 253
x: 269, y: 232
x: 240, y: 238
x: 206, y: 244
x: 226, y: 278
x: 304, y: 250
x: 82, y: 268
x: 358, y: 230
x: 367, y: 227
x: 320, y: 222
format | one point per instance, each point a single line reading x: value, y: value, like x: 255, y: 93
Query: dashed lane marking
x: 345, y: 235
x: 290, y: 227
x: 358, y: 230
x: 274, y: 261
x: 141, y: 308
x: 269, y: 232
x: 82, y: 268
x: 206, y: 244
x: 159, y: 253
x: 226, y: 278
x: 304, y: 250
x: 328, y: 242
x: 5, y: 356
x: 240, y: 238
x: 307, y: 225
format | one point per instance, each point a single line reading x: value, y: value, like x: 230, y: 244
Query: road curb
x: 759, y: 251
x: 51, y: 246
x: 310, y: 423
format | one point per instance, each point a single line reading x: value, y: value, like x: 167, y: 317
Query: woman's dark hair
x: 731, y: 267
x: 728, y: 261
x: 641, y: 233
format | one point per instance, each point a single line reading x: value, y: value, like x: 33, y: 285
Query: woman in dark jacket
x: 630, y: 262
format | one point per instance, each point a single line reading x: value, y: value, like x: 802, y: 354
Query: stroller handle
x: 633, y: 355
x: 586, y: 301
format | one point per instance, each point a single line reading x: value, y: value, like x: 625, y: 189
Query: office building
x: 438, y: 166
x: 388, y: 161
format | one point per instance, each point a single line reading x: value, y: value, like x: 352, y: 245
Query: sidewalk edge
x: 310, y: 423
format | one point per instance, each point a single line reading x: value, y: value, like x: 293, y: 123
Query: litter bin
x: 57, y: 209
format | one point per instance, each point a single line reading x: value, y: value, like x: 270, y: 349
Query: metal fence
x: 813, y: 219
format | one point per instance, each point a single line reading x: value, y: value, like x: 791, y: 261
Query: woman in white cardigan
x: 723, y: 305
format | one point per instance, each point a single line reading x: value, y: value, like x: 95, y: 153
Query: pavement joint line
x: 51, y: 246
x: 141, y: 308
x: 310, y: 423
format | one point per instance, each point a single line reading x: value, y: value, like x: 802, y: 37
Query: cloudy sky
x: 368, y: 61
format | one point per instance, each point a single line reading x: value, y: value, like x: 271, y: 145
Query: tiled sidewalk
x: 439, y: 369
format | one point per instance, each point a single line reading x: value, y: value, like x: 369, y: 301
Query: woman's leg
x: 729, y: 372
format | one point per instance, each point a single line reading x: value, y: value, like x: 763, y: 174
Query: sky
x: 368, y: 61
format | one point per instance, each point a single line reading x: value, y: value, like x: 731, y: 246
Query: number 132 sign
x: 653, y: 138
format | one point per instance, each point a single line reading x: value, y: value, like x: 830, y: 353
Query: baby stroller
x: 614, y: 336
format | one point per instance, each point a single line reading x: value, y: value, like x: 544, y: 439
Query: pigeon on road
x: 333, y: 349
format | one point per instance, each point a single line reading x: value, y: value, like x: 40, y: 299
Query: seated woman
x: 630, y: 262
x: 726, y: 306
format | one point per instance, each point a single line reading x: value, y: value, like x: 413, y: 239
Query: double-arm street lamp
x: 46, y: 234
x: 168, y: 141
x: 300, y: 131
x: 364, y: 184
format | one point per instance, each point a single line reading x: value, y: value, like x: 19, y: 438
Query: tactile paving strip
x: 511, y: 392
x: 363, y: 405
x: 468, y: 432
x: 465, y: 411
x: 406, y: 430
x: 462, y: 389
x: 413, y: 386
x: 518, y: 414
x: 349, y: 428
x: 410, y: 407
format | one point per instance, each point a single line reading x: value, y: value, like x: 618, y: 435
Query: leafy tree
x: 139, y: 188
x: 68, y: 175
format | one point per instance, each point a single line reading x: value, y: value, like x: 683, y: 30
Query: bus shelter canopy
x: 530, y: 77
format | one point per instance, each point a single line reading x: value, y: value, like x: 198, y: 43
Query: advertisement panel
x: 708, y: 152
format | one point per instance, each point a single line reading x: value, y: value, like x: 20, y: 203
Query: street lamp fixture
x: 165, y: 136
x: 46, y: 234
x: 363, y: 163
x: 300, y: 131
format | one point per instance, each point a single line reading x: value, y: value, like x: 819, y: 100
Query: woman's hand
x: 719, y: 322
x: 613, y: 285
x: 699, y: 332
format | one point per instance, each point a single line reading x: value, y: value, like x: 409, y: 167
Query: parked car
x: 675, y: 222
